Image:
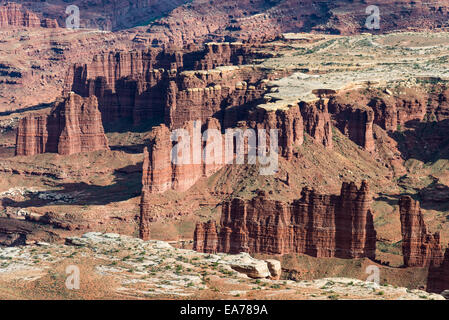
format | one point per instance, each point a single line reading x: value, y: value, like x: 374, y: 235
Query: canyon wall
x: 438, y: 278
x: 419, y: 248
x: 73, y: 125
x: 355, y: 122
x: 126, y: 84
x: 161, y: 174
x: 166, y: 168
x: 259, y: 20
x: 205, y: 238
x: 289, y: 122
x: 318, y: 225
x: 14, y: 15
x: 221, y: 93
x: 152, y: 84
x: 180, y: 22
x: 317, y: 122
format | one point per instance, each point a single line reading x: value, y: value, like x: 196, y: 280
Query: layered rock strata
x: 354, y: 122
x: 288, y: 122
x: 166, y: 168
x: 151, y: 84
x: 419, y: 248
x: 73, y: 125
x: 219, y: 93
x: 438, y: 278
x: 14, y: 15
x: 206, y: 237
x: 317, y: 122
x: 318, y: 225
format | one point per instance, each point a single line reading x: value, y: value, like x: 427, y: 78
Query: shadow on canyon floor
x: 127, y: 185
x: 127, y: 125
x: 131, y: 149
x: 428, y: 201
x: 40, y: 106
x: 424, y: 141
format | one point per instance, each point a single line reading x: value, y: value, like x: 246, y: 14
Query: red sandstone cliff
x: 167, y: 168
x: 14, y: 15
x: 355, y: 122
x: 73, y: 125
x: 200, y: 95
x: 259, y: 20
x: 354, y: 113
x: 317, y: 122
x: 149, y: 84
x: 419, y: 248
x: 438, y: 278
x: 206, y: 237
x: 317, y: 225
x: 244, y: 20
x: 289, y: 123
x: 223, y: 54
x: 162, y: 173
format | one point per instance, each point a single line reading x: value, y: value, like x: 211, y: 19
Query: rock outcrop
x: 419, y: 248
x: 317, y: 122
x: 289, y: 122
x: 354, y: 113
x: 392, y: 112
x: 355, y: 122
x: 73, y: 125
x: 14, y: 232
x: 206, y: 237
x: 166, y: 168
x: 14, y: 15
x: 259, y: 20
x: 153, y: 84
x: 223, y: 54
x: 219, y: 93
x: 318, y: 225
x: 160, y: 173
x: 438, y: 278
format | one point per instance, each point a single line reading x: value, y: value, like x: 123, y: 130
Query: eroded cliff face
x: 438, y: 279
x: 14, y: 15
x: 160, y: 173
x: 166, y: 167
x: 289, y: 123
x: 355, y: 112
x: 224, y: 93
x: 73, y: 126
x: 317, y: 122
x: 205, y: 238
x: 259, y: 20
x: 152, y: 84
x: 354, y: 122
x: 317, y: 225
x: 175, y: 23
x: 419, y: 248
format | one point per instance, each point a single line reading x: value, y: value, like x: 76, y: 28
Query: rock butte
x: 73, y: 125
x: 317, y: 225
x: 420, y: 249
